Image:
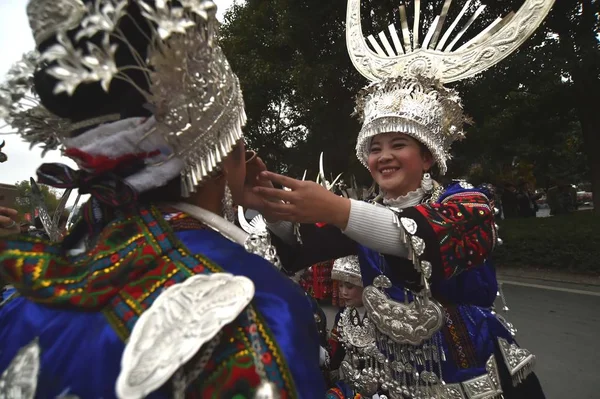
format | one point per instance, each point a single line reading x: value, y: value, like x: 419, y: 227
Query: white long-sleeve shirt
x: 370, y: 225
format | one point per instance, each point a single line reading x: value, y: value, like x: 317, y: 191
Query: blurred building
x: 8, y: 195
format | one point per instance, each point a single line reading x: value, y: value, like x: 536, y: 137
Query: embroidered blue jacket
x: 81, y: 351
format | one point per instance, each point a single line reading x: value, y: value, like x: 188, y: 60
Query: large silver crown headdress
x: 347, y: 269
x: 419, y: 107
x: 195, y: 97
x: 407, y: 95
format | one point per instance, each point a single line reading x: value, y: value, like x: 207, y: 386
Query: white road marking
x: 549, y: 287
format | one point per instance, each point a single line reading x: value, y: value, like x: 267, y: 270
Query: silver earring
x: 427, y: 183
x: 228, y: 212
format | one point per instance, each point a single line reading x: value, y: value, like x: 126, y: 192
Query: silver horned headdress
x: 195, y: 97
x: 406, y: 94
x: 347, y: 269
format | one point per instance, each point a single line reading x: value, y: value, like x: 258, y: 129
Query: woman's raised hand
x: 251, y: 199
x: 303, y: 202
x: 8, y: 224
x: 254, y: 168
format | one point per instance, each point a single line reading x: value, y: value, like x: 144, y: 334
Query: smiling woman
x: 424, y: 250
x: 397, y: 162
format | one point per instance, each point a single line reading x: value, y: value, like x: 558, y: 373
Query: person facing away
x: 152, y: 294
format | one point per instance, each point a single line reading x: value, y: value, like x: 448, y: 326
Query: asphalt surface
x: 560, y: 324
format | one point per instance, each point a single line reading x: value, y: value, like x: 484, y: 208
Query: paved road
x: 563, y: 330
x: 561, y: 326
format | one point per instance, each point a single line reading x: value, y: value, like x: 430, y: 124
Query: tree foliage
x: 577, y: 24
x: 299, y: 87
x: 568, y: 243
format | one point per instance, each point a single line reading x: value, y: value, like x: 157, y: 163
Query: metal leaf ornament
x: 101, y: 62
x: 169, y: 20
x: 103, y: 17
x: 70, y: 71
x: 20, y: 108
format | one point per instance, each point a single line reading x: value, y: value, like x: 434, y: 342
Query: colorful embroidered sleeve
x: 454, y: 235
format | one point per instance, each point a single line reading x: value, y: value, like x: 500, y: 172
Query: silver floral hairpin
x: 195, y: 97
x: 21, y: 110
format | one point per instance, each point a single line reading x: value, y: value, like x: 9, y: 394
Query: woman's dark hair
x: 170, y: 192
x: 435, y: 170
x: 89, y: 100
x: 424, y: 149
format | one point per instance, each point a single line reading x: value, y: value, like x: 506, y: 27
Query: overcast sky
x: 16, y: 39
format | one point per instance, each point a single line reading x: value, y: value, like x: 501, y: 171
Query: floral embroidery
x: 132, y: 248
x: 134, y: 259
x: 461, y: 346
x: 231, y: 369
x: 463, y: 225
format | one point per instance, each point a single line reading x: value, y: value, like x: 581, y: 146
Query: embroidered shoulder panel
x: 463, y: 227
x: 135, y: 247
x: 175, y: 266
x: 231, y: 371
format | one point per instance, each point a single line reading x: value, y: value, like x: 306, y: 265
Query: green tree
x: 577, y: 24
x: 299, y: 86
x: 537, y: 107
x: 521, y: 117
x: 298, y: 82
x: 24, y: 203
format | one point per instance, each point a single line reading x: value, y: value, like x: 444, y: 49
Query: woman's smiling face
x: 397, y: 162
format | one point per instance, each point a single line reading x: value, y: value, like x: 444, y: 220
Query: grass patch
x: 567, y: 243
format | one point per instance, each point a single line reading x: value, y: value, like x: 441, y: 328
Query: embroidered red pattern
x: 464, y: 227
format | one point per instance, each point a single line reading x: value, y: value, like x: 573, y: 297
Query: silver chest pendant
x: 405, y: 361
